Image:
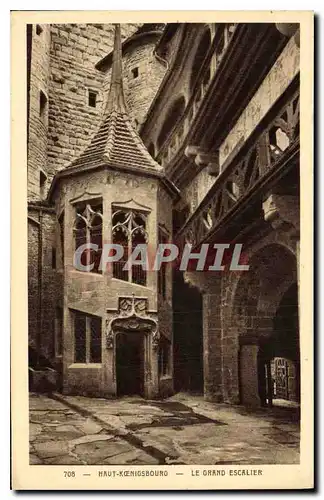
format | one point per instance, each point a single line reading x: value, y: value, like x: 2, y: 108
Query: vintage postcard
x: 162, y: 241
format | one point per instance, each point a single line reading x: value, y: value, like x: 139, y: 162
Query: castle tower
x: 143, y: 71
x: 117, y: 320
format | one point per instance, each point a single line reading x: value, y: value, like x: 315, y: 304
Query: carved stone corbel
x: 205, y: 282
x: 203, y: 159
x: 281, y: 208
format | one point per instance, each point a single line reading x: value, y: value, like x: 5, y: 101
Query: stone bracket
x: 205, y: 282
x: 278, y: 209
x: 203, y: 159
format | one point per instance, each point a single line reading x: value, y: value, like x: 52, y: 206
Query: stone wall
x: 282, y: 73
x: 33, y: 278
x: 38, y: 116
x: 140, y: 91
x: 43, y: 282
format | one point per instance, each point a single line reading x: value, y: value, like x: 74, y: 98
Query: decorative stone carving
x: 131, y: 204
x: 109, y: 336
x: 132, y: 317
x: 126, y: 304
x: 281, y: 208
x: 110, y: 178
x: 83, y: 188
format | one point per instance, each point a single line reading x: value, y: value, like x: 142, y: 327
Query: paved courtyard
x: 75, y: 430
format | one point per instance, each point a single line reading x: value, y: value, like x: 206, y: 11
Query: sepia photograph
x: 163, y: 206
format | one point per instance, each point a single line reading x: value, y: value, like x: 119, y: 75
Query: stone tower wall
x: 75, y: 49
x: 140, y: 91
x: 38, y: 118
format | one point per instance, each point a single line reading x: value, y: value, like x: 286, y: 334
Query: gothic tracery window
x: 88, y: 229
x: 129, y: 230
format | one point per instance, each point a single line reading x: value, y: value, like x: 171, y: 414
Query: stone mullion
x: 88, y: 240
x: 130, y: 271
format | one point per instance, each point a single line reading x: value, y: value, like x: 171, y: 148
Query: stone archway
x: 252, y: 330
x: 280, y: 354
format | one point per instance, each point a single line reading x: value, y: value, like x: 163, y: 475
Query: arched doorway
x: 130, y: 356
x: 266, y: 320
x: 279, y: 364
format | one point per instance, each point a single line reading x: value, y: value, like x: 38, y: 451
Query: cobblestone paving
x: 73, y: 430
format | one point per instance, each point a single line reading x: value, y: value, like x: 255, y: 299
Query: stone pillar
x: 212, y: 347
x: 249, y: 375
x: 210, y: 287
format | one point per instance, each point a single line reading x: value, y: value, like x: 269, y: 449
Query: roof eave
x: 105, y: 164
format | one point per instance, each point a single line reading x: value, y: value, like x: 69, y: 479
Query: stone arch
x: 172, y: 118
x: 248, y: 317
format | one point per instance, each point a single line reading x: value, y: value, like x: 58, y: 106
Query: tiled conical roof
x: 116, y: 143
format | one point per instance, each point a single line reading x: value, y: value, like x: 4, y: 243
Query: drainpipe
x: 40, y: 286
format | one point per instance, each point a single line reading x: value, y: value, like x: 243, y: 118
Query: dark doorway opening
x: 188, y: 337
x: 130, y: 363
x: 279, y: 359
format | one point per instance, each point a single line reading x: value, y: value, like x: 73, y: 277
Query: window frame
x: 88, y: 338
x: 87, y: 211
x: 92, y: 94
x: 43, y: 106
x: 42, y: 183
x: 130, y: 214
x: 135, y: 72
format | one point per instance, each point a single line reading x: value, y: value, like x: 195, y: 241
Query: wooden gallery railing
x: 245, y: 174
